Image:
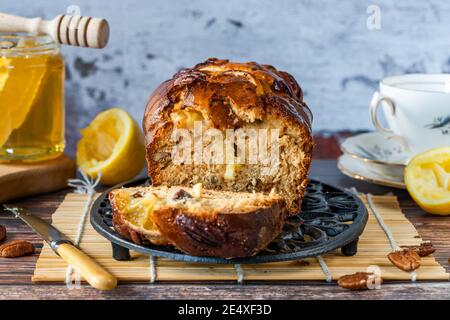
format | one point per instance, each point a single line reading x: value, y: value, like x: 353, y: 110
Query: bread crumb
x: 272, y: 192
x: 229, y: 172
x: 197, y: 190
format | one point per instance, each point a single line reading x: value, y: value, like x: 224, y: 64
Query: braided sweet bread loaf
x: 244, y: 99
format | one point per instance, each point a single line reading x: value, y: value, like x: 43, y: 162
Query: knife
x: 92, y: 272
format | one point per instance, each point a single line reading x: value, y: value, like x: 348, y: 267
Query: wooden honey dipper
x: 71, y: 30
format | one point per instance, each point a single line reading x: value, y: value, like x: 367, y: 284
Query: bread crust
x: 221, y: 234
x: 285, y: 99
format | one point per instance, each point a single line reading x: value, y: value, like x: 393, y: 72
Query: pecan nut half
x: 424, y: 249
x: 355, y: 281
x: 16, y: 249
x: 407, y: 260
x: 2, y: 233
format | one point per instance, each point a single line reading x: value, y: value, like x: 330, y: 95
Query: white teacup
x: 417, y: 110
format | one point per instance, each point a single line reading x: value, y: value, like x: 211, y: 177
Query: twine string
x: 152, y: 269
x: 85, y: 185
x: 413, y: 276
x: 239, y: 273
x: 381, y: 222
x: 325, y: 269
x: 386, y: 229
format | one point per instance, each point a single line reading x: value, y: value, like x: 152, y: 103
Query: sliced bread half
x: 199, y: 222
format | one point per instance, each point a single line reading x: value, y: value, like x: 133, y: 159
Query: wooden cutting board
x: 20, y: 180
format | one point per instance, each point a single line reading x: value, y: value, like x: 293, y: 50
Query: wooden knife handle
x: 92, y: 272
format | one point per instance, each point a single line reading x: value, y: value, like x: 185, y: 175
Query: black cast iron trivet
x: 331, y: 218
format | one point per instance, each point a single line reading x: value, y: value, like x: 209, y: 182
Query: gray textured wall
x: 326, y: 45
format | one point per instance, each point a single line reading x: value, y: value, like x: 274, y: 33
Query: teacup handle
x: 388, y: 133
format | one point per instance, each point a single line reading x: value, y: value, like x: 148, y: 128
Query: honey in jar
x: 31, y: 98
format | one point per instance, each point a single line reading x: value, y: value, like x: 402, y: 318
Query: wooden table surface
x: 15, y: 274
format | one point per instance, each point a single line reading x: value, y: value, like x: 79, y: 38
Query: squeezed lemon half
x: 112, y: 144
x: 427, y: 178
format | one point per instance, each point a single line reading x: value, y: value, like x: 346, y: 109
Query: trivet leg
x: 120, y: 253
x: 351, y: 248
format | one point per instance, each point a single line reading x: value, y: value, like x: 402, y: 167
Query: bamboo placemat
x: 372, y: 250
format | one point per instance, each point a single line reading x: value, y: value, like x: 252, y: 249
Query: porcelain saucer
x: 372, y: 147
x: 385, y: 175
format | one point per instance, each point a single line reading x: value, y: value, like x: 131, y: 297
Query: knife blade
x: 92, y: 272
x: 50, y: 234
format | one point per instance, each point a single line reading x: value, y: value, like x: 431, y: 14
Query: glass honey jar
x: 31, y: 98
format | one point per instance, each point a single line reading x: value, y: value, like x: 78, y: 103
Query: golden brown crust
x: 221, y: 234
x: 259, y: 89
